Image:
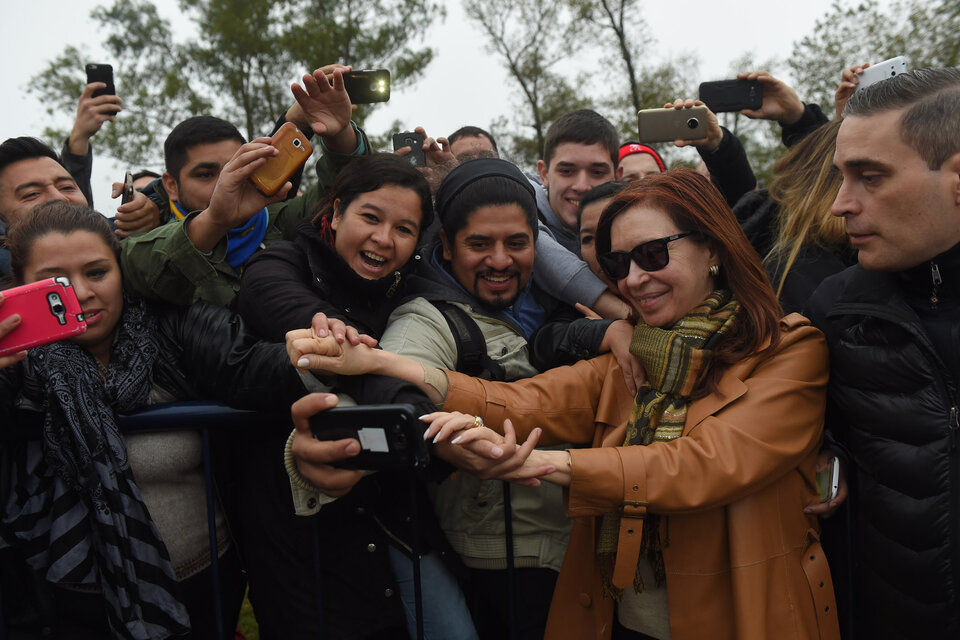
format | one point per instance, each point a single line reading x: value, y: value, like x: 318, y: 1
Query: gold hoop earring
x: 714, y: 270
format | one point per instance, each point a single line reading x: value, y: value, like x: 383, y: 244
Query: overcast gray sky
x: 463, y: 85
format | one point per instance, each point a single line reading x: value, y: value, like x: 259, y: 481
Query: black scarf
x: 77, y: 512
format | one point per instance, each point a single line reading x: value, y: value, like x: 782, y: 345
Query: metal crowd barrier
x: 202, y: 417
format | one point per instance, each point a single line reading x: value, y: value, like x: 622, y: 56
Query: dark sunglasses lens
x: 616, y: 264
x: 652, y: 256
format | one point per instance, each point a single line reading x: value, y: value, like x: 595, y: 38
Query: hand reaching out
x: 323, y: 326
x: 322, y: 105
x: 849, y: 79
x: 439, y: 159
x: 780, y: 101
x: 91, y: 114
x: 484, y: 452
x: 136, y: 216
x: 235, y: 198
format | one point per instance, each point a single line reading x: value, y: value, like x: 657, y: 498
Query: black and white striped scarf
x: 76, y: 511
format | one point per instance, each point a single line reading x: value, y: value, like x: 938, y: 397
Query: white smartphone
x: 828, y: 480
x: 881, y: 71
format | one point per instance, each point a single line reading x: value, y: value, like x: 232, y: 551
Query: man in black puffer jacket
x: 893, y: 326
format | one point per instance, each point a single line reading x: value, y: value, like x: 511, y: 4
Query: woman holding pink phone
x: 110, y: 528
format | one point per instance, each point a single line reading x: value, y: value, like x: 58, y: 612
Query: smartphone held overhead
x: 415, y: 141
x: 367, y: 86
x: 667, y: 125
x: 294, y: 150
x: 49, y: 312
x: 390, y: 435
x: 881, y: 71
x: 127, y: 193
x: 101, y: 73
x: 731, y: 95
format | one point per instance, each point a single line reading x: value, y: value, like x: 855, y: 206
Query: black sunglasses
x: 650, y: 256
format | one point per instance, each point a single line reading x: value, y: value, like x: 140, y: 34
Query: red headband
x: 633, y: 147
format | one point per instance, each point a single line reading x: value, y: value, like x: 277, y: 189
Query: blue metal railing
x: 201, y: 417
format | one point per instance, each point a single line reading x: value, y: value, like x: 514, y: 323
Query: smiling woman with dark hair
x: 113, y: 525
x: 689, y: 509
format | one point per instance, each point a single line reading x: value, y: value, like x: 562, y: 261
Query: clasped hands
x: 331, y: 346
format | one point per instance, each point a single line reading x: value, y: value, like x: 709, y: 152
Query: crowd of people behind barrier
x: 630, y: 379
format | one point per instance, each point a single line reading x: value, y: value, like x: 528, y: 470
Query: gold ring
x: 477, y: 422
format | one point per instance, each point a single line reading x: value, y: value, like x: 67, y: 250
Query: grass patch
x: 248, y: 622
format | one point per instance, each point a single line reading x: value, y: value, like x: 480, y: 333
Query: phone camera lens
x: 58, y: 309
x: 297, y: 143
x: 693, y: 123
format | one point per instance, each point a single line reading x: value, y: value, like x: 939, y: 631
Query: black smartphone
x: 367, y: 85
x: 127, y: 193
x: 101, y: 73
x: 413, y: 140
x: 731, y: 95
x: 390, y: 435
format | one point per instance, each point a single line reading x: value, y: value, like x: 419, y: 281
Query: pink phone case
x: 49, y: 310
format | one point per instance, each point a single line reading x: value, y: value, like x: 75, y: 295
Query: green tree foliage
x: 924, y: 31
x: 146, y: 64
x: 537, y: 40
x: 363, y: 33
x: 627, y: 40
x: 532, y: 37
x: 235, y: 62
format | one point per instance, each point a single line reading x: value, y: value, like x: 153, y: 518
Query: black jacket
x: 758, y: 215
x: 893, y: 414
x: 282, y: 288
x: 205, y: 352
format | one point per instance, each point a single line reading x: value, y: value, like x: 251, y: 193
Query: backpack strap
x: 472, y: 358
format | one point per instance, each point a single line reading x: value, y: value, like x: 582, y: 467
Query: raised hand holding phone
x: 731, y: 95
x: 39, y: 313
x: 780, y: 101
x: 235, y: 198
x: 293, y: 150
x: 367, y: 86
x: 98, y: 103
x: 323, y: 106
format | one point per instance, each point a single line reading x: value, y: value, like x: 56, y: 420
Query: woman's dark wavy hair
x: 695, y: 204
x: 369, y: 173
x: 54, y: 217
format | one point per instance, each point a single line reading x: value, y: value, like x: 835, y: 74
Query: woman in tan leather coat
x: 688, y: 508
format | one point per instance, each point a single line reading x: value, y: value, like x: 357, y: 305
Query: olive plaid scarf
x: 673, y: 359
